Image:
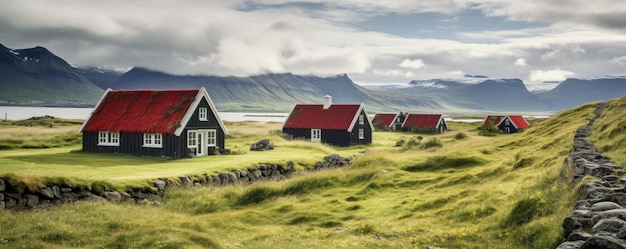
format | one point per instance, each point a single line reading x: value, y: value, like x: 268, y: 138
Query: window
x: 191, y: 139
x: 361, y: 119
x: 316, y: 134
x: 211, y: 137
x: 361, y: 134
x: 106, y: 138
x: 202, y: 114
x: 153, y: 140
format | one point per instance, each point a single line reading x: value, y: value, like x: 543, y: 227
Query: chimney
x: 328, y: 100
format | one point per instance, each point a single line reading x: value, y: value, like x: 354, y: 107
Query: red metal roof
x: 421, y: 121
x: 384, y: 119
x: 141, y: 111
x: 314, y: 116
x: 518, y: 120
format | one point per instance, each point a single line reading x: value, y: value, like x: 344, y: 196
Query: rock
x: 612, y: 225
x: 579, y: 235
x: 160, y: 184
x: 47, y: 192
x: 2, y: 185
x: 56, y: 191
x: 157, y: 203
x: 603, y: 242
x: 257, y: 173
x: 570, y: 225
x: 31, y: 200
x: 2, y: 205
x: 571, y: 244
x: 185, y: 182
x: 605, y: 205
x: 1, y: 197
x: 262, y: 145
x: 232, y: 177
x: 112, y: 196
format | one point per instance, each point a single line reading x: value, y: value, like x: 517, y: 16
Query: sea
x: 26, y: 112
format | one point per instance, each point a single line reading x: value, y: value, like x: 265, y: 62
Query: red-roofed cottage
x: 425, y: 123
x: 169, y: 123
x: 388, y: 121
x: 334, y: 124
x: 508, y: 123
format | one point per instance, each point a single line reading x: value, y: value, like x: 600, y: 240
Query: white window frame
x: 211, y: 138
x: 316, y: 135
x: 361, y: 134
x: 106, y: 138
x: 153, y: 140
x: 203, y: 114
x: 361, y: 119
x: 192, y: 139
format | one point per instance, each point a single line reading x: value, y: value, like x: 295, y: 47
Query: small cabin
x: 507, y: 123
x: 389, y: 121
x: 334, y: 124
x: 425, y: 123
x: 161, y: 123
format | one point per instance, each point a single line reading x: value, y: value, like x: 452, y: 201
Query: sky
x: 372, y: 41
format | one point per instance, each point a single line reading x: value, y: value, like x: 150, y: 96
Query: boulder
x: 160, y: 184
x: 612, y: 225
x: 604, y: 242
x: 31, y: 200
x: 2, y: 185
x: 579, y: 235
x: 47, y: 192
x: 185, y: 182
x: 56, y: 191
x: 604, y: 206
x: 112, y: 196
x: 262, y: 145
x: 571, y: 244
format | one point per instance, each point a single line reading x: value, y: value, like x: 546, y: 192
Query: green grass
x: 502, y: 191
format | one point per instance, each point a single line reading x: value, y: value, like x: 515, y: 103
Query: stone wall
x: 13, y: 198
x: 599, y: 216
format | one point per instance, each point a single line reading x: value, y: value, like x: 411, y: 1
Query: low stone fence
x: 12, y: 198
x: 599, y: 216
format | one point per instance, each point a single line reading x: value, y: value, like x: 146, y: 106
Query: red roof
x: 422, y: 121
x: 384, y: 119
x: 518, y: 121
x: 314, y: 116
x: 141, y: 111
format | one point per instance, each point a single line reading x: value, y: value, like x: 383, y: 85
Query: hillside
x: 36, y: 76
x: 454, y: 190
x: 574, y: 92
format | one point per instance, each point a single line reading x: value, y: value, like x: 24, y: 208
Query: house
x: 507, y: 123
x: 164, y: 123
x: 425, y: 123
x: 334, y: 124
x: 389, y: 121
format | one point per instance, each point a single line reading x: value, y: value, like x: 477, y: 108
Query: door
x: 201, y: 150
x: 316, y: 135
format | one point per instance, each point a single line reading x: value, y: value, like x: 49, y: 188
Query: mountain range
x: 35, y: 76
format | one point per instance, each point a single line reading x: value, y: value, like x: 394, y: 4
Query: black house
x: 165, y: 123
x: 334, y: 124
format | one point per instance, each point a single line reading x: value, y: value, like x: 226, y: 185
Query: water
x: 26, y: 112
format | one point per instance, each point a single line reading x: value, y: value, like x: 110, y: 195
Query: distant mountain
x: 35, y: 75
x: 575, y: 92
x: 277, y: 92
x: 480, y: 94
x: 102, y: 76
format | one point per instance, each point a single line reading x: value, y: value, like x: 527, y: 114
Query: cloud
x: 520, y: 62
x: 415, y: 64
x: 549, y: 75
x: 619, y: 60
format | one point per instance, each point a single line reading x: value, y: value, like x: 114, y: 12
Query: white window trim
x: 153, y: 140
x: 316, y: 135
x: 361, y: 119
x: 106, y: 138
x: 361, y: 134
x: 211, y: 138
x: 203, y: 114
x: 194, y: 139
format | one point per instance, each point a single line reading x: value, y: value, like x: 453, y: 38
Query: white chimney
x: 328, y: 100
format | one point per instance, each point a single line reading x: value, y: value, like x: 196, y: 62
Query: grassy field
x: 454, y: 190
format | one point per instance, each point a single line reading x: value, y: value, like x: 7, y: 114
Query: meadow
x: 452, y: 190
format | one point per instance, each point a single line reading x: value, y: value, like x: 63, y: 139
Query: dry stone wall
x: 599, y: 217
x: 19, y: 198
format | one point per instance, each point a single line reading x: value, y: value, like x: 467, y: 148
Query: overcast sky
x: 372, y: 41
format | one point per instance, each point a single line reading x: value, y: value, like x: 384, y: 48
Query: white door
x: 201, y: 150
x: 316, y: 135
